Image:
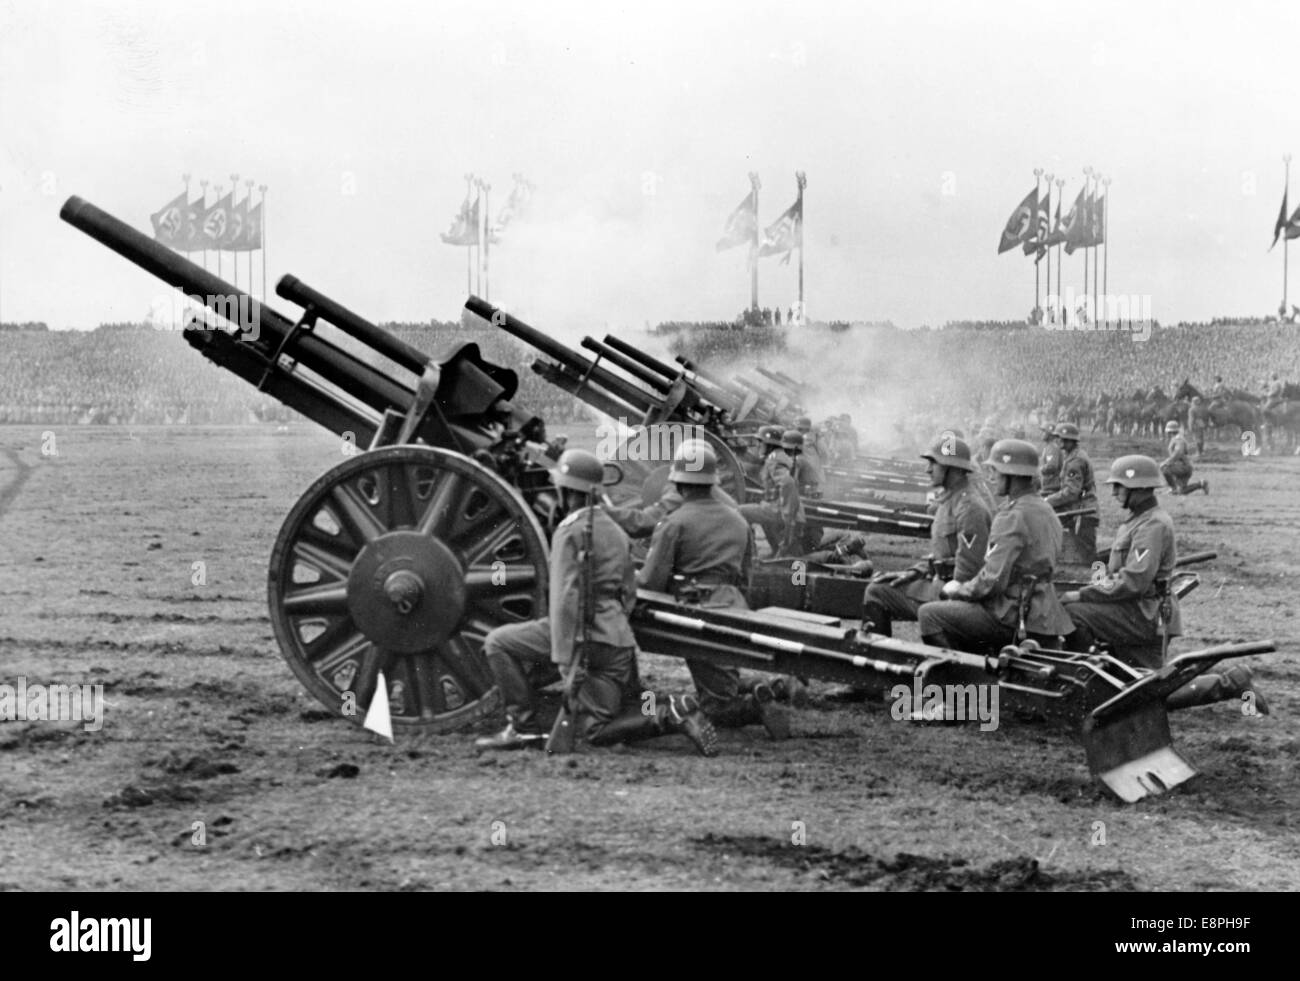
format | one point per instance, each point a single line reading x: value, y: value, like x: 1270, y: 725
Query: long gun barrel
x: 579, y: 373
x: 259, y: 323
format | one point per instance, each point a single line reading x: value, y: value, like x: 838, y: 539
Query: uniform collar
x: 1143, y: 508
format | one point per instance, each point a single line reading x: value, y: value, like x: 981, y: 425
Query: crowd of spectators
x: 130, y: 374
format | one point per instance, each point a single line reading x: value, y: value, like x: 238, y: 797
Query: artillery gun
x: 403, y: 557
x: 660, y: 407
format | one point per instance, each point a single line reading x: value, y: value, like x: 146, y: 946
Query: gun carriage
x: 403, y: 557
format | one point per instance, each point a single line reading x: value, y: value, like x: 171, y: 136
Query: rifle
x: 564, y: 732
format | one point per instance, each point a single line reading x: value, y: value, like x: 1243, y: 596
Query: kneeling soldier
x: 1013, y: 590
x: 592, y: 590
x: 1176, y: 467
x: 703, y: 550
x: 958, y: 537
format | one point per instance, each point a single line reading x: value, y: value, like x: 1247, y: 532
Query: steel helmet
x: 694, y: 463
x: 770, y: 435
x: 792, y: 439
x: 1067, y: 430
x: 1135, y: 470
x: 1015, y: 457
x: 803, y: 424
x: 578, y: 470
x: 1172, y: 426
x: 1048, y: 428
x: 950, y: 451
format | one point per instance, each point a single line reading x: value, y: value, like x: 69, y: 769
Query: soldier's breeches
x: 882, y: 604
x: 768, y: 520
x: 1130, y: 634
x: 963, y: 626
x: 717, y: 685
x: 519, y: 655
x: 609, y: 673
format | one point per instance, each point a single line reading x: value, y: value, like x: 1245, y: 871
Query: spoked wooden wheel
x: 401, y: 560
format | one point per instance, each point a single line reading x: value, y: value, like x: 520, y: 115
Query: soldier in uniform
x: 1049, y: 469
x: 1274, y: 394
x: 1219, y: 391
x: 809, y: 483
x: 958, y: 538
x: 1078, y: 491
x: 847, y: 549
x: 1132, y: 608
x: 704, y: 549
x: 812, y: 460
x: 781, y: 513
x: 1014, y: 585
x: 541, y: 651
x: 1176, y: 467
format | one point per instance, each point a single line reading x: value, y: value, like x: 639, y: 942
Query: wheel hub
x: 406, y: 592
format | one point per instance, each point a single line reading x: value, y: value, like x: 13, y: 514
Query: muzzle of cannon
x: 397, y: 562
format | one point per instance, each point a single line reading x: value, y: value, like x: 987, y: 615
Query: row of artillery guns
x: 400, y: 559
x: 656, y: 405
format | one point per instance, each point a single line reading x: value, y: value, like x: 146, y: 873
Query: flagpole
x: 219, y: 187
x: 248, y: 202
x: 1060, y: 190
x: 1087, y: 174
x: 234, y: 193
x: 469, y: 249
x: 204, y: 185
x: 1286, y: 159
x: 802, y: 180
x: 753, y: 268
x: 1048, y: 250
x: 1038, y: 179
x: 1097, y: 299
x: 487, y: 233
x: 262, y: 188
x: 1105, y: 242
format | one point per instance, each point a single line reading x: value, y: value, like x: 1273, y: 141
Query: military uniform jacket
x: 704, y: 540
x: 960, y: 533
x: 1024, y: 540
x: 810, y: 476
x: 1177, y: 461
x: 1142, y: 554
x: 613, y: 584
x: 640, y: 522
x: 1049, y: 471
x: 1078, y: 484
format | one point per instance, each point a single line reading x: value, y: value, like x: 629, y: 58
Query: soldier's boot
x: 681, y: 715
x: 774, y: 718
x: 875, y: 619
x: 1216, y: 687
x: 1205, y: 486
x: 790, y: 689
x: 511, y: 738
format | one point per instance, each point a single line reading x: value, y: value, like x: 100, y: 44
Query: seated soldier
x: 958, y: 537
x: 1132, y: 608
x: 1012, y: 593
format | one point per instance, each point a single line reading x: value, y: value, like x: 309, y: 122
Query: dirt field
x: 205, y: 723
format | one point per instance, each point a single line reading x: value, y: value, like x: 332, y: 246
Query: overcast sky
x: 918, y: 125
